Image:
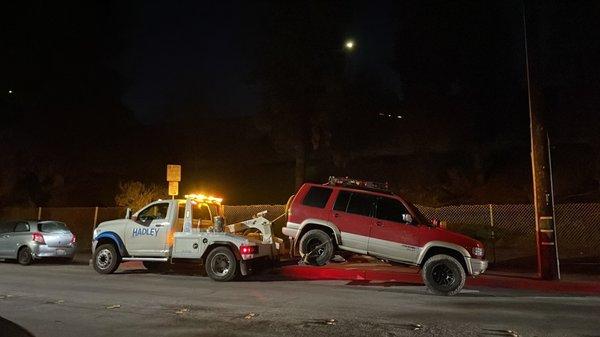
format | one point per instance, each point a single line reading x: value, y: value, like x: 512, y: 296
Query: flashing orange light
x: 201, y: 198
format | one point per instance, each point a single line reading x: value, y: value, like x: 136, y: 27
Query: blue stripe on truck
x: 113, y: 237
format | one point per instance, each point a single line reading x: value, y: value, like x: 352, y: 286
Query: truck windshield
x: 52, y: 226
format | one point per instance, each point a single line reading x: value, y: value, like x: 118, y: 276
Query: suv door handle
x: 379, y: 224
x: 336, y: 215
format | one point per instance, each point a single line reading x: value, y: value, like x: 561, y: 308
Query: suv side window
x: 361, y: 204
x: 21, y: 227
x: 156, y: 211
x: 341, y: 203
x: 391, y: 209
x: 317, y: 197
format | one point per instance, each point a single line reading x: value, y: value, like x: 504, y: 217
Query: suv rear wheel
x: 443, y: 275
x: 316, y: 247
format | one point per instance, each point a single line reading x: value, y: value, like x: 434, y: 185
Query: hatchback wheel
x: 443, y: 275
x: 106, y: 259
x: 24, y: 257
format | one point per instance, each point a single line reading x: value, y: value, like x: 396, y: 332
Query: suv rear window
x: 317, y: 197
x: 53, y: 226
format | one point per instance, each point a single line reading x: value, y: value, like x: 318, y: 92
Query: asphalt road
x: 59, y: 300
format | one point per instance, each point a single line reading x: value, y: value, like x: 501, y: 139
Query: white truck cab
x: 191, y: 228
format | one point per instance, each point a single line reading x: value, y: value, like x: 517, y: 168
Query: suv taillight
x: 38, y: 237
x: 73, y: 238
x: 248, y: 250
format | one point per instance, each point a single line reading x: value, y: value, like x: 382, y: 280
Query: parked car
x: 367, y: 218
x: 27, y: 241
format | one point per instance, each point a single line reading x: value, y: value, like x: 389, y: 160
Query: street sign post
x: 173, y: 178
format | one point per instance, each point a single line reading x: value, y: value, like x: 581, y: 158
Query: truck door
x: 147, y: 234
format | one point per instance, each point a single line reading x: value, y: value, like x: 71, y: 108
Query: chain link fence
x: 508, y: 231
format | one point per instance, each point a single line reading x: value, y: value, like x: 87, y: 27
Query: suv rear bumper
x: 291, y: 230
x: 476, y: 266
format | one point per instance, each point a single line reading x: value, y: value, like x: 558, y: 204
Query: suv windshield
x: 52, y: 226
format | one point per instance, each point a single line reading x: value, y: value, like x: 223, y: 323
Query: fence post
x: 95, y: 217
x: 492, y: 233
x: 39, y: 213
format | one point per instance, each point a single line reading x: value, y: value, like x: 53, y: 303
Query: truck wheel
x: 24, y: 257
x: 106, y: 259
x: 316, y: 247
x: 221, y: 264
x: 443, y: 275
x: 158, y: 267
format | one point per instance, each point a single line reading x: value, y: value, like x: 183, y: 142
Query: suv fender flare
x: 336, y: 231
x: 442, y: 244
x: 116, y: 240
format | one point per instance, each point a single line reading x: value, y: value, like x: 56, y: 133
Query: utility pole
x: 543, y: 197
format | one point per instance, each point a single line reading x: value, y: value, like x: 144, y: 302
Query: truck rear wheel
x: 106, y: 259
x: 443, y: 275
x: 316, y: 247
x: 221, y: 265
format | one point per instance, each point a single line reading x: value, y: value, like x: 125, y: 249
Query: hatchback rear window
x: 53, y: 226
x: 317, y: 197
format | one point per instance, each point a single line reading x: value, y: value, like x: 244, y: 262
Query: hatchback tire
x: 25, y: 256
x: 443, y: 275
x: 106, y: 259
x: 221, y: 265
x: 316, y: 247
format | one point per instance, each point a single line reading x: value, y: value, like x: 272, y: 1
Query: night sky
x: 125, y: 87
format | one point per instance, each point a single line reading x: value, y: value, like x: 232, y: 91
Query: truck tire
x: 106, y: 259
x: 221, y: 264
x: 443, y: 275
x: 316, y: 247
x: 24, y: 256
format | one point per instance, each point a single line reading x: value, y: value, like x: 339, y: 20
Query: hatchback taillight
x: 38, y: 237
x: 73, y: 238
x: 248, y: 250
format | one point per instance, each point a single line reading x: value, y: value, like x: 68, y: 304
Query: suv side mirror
x: 407, y: 218
x: 435, y: 222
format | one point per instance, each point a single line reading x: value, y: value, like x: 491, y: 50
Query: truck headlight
x: 477, y: 251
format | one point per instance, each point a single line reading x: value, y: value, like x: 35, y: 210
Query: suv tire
x: 106, y: 259
x: 443, y: 275
x: 221, y: 265
x: 316, y: 247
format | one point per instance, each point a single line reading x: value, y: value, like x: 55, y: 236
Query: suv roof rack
x: 359, y: 184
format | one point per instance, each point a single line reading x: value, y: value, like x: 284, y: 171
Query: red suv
x: 366, y: 218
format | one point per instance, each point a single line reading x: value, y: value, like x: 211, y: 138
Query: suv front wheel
x: 316, y: 247
x: 443, y: 275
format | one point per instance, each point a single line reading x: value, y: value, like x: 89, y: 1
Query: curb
x: 297, y: 272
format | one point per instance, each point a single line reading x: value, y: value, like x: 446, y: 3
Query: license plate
x: 60, y: 252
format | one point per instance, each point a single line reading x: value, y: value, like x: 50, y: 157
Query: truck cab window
x: 156, y: 211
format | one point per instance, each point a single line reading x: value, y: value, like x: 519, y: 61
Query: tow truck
x: 192, y: 229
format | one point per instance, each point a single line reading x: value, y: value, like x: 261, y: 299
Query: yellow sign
x: 173, y: 172
x: 173, y: 188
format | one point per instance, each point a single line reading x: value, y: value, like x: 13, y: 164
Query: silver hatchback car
x: 27, y: 241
